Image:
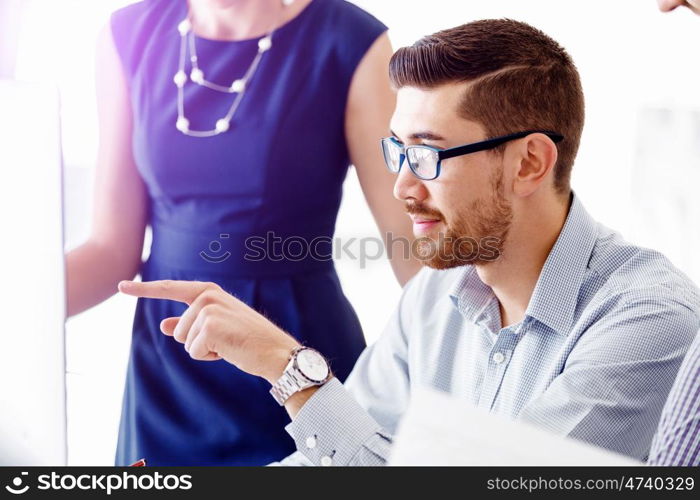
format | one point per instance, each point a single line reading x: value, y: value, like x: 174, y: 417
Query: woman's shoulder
x: 136, y: 11
x: 135, y: 25
x: 144, y: 17
x: 351, y: 15
x: 346, y: 31
x: 348, y: 18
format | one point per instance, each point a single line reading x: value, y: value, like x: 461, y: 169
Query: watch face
x: 312, y: 365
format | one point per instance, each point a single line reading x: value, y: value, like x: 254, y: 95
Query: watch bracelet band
x: 285, y: 386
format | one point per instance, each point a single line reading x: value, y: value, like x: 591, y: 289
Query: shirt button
x: 498, y: 358
x: 326, y: 461
x: 311, y: 442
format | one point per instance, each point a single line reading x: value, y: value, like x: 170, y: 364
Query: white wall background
x: 637, y: 170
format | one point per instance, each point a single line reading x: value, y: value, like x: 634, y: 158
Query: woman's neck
x: 240, y: 19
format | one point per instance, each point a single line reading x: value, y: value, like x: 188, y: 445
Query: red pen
x: 140, y: 463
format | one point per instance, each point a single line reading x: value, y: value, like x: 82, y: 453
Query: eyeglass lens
x: 423, y: 161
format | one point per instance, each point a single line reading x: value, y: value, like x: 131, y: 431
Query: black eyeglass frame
x: 465, y: 149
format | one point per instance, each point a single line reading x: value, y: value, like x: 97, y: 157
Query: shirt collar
x: 471, y: 295
x: 554, y: 298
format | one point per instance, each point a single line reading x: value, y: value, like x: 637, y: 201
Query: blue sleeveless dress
x: 277, y: 176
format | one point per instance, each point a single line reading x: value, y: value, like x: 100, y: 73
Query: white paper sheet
x: 440, y: 430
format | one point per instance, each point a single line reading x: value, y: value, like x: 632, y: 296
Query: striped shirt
x: 594, y: 358
x: 677, y: 441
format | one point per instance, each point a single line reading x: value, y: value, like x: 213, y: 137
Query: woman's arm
x: 370, y: 105
x: 113, y: 250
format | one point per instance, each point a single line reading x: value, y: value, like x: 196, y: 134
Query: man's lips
x: 423, y: 224
x: 422, y: 220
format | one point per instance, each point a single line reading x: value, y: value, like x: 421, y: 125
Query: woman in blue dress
x: 227, y: 126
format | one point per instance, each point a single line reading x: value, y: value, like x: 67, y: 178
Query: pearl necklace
x: 238, y: 86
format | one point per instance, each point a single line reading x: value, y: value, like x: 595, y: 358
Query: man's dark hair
x: 519, y: 79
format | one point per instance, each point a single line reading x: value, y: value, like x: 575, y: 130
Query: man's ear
x: 535, y: 157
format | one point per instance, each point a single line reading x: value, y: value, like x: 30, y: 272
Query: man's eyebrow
x: 426, y: 135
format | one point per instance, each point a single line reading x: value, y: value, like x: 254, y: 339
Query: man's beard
x: 476, y: 237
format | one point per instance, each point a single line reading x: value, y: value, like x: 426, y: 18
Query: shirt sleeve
x: 677, y: 440
x: 617, y: 377
x: 352, y: 424
x: 333, y: 429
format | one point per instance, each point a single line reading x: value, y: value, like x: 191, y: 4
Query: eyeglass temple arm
x: 492, y: 143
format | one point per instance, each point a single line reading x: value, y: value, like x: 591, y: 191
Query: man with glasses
x: 677, y: 440
x: 527, y: 307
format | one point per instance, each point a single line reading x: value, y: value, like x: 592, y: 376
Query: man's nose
x: 408, y: 185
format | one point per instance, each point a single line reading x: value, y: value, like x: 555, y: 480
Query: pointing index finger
x: 181, y: 291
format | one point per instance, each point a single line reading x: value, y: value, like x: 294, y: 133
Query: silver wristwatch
x: 306, y: 368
